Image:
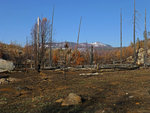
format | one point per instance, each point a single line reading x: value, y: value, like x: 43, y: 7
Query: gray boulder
x: 6, y: 66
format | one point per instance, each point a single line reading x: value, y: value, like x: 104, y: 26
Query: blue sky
x: 101, y: 19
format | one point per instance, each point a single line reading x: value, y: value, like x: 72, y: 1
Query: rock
x: 140, y: 60
x: 6, y: 66
x: 130, y: 59
x: 140, y: 57
x: 13, y: 79
x: 3, y: 81
x: 71, y: 99
x: 8, y: 80
x: 141, y: 50
x: 131, y: 97
x: 59, y: 100
x: 148, y: 51
x: 89, y: 74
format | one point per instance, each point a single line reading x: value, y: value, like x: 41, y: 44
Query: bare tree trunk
x: 79, y: 32
x: 145, y: 43
x: 27, y: 52
x: 42, y: 49
x: 138, y: 42
x: 38, y: 44
x: 91, y: 56
x: 76, y: 49
x: 51, y: 38
x: 35, y: 48
x: 121, y: 36
x: 40, y: 35
x: 134, y: 37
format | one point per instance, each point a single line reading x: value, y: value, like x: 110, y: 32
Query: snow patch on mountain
x: 97, y: 44
x: 82, y: 46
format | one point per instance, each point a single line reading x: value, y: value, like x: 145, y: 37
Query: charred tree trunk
x: 145, y: 43
x: 40, y: 35
x: 121, y: 36
x: 38, y: 45
x: 51, y: 38
x: 91, y: 56
x: 79, y: 32
x: 135, y: 59
x: 35, y: 47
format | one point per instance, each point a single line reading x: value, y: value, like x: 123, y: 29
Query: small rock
x: 3, y: 81
x: 88, y: 74
x: 127, y: 93
x: 72, y: 99
x: 59, y: 100
x: 131, y: 97
x: 12, y: 79
x: 8, y: 80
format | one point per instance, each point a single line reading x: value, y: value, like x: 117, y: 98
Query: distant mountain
x: 81, y: 46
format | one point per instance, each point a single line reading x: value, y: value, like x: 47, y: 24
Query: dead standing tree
x: 34, y: 42
x: 44, y: 37
x: 26, y: 52
x: 121, y: 36
x: 39, y: 35
x: 135, y: 56
x: 138, y: 46
x: 145, y: 43
x: 79, y: 32
x: 51, y: 38
x: 91, y: 55
x: 76, y: 49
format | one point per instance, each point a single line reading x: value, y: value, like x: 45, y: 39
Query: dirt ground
x: 107, y: 92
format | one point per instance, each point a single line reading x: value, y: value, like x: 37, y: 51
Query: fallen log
x: 95, y: 67
x: 119, y: 66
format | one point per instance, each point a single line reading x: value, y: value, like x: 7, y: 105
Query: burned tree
x: 40, y: 34
x: 145, y: 43
x: 51, y: 38
x: 79, y: 32
x: 44, y: 38
x: 38, y: 44
x: 76, y: 49
x: 138, y: 44
x: 91, y: 56
x: 121, y: 36
x: 134, y: 36
x: 34, y: 43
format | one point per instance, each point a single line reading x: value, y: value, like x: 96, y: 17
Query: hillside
x: 10, y: 51
x: 81, y: 46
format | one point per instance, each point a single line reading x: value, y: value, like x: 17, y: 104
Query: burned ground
x: 107, y: 92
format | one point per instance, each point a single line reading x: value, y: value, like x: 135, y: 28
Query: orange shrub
x: 55, y: 57
x: 80, y: 61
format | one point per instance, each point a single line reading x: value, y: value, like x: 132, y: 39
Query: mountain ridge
x: 84, y: 45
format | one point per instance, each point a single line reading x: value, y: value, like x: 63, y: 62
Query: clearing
x: 103, y: 92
